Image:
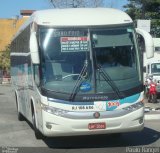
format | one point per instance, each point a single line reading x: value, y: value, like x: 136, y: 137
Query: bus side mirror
x: 149, y: 45
x: 33, y: 44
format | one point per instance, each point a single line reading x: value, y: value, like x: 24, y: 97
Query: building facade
x: 9, y: 27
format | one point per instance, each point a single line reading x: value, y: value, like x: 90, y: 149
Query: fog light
x: 141, y: 120
x: 48, y: 125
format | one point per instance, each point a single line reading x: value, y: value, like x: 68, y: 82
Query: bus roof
x: 81, y: 17
x: 78, y: 17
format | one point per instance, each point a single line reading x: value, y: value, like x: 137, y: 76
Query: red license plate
x: 92, y: 126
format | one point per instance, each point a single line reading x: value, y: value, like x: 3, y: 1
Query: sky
x: 11, y: 8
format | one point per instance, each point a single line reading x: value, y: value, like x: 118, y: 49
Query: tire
x: 37, y: 133
x: 154, y: 98
x: 19, y: 115
x: 146, y: 92
x: 149, y: 98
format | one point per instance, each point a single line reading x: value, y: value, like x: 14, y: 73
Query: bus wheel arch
x: 38, y: 134
x: 19, y: 114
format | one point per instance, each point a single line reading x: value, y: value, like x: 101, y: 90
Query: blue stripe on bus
x: 113, y: 104
x: 130, y: 99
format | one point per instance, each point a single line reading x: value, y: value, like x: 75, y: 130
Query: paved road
x: 20, y: 134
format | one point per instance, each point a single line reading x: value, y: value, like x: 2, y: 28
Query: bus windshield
x: 89, y: 61
x: 155, y: 68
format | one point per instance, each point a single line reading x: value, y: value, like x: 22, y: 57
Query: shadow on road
x: 145, y: 137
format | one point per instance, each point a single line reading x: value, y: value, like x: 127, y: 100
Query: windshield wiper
x: 79, y: 81
x: 110, y: 82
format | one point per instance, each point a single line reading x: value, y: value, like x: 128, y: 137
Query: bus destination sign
x: 74, y: 44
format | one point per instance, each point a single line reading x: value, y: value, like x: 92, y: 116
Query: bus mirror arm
x: 34, y: 48
x: 149, y: 45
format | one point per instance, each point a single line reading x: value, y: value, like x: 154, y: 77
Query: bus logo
x: 96, y: 115
x: 85, y: 87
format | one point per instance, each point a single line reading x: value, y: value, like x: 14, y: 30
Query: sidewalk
x: 152, y: 106
x: 152, y: 110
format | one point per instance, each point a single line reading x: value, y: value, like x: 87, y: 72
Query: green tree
x: 145, y: 9
x: 5, y: 59
x: 76, y: 3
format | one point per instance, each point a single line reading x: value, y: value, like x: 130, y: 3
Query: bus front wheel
x: 20, y: 117
x: 38, y: 134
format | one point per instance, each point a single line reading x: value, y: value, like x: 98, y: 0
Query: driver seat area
x: 60, y: 70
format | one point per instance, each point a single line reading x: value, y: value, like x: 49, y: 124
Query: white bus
x: 60, y: 83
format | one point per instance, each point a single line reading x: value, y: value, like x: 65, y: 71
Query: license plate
x: 92, y: 126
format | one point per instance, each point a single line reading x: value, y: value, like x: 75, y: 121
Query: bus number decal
x: 87, y: 107
x: 113, y: 104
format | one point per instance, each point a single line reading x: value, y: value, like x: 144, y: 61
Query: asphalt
x: 152, y: 110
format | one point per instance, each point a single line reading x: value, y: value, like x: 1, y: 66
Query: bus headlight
x: 53, y: 110
x: 134, y: 106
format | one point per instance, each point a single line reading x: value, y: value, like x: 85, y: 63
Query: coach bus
x: 61, y: 83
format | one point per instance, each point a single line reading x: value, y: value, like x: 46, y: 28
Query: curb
x: 152, y: 117
x: 152, y: 113
x: 148, y: 109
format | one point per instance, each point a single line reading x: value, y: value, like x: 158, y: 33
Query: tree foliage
x: 145, y: 9
x: 76, y: 3
x: 5, y: 59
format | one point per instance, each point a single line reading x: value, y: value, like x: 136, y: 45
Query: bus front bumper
x: 53, y: 125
